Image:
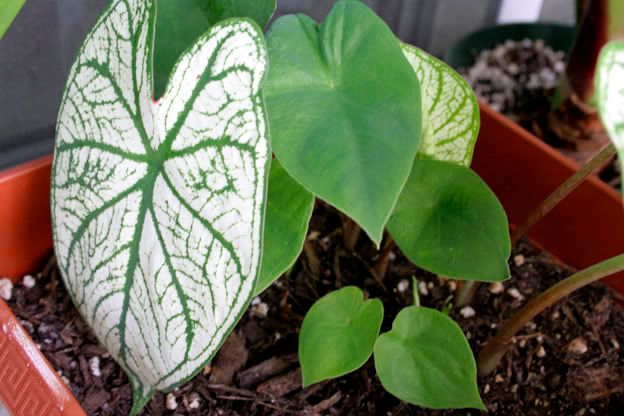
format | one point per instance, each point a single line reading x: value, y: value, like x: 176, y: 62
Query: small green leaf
x: 338, y: 334
x: 344, y: 109
x: 449, y: 222
x: 8, y: 11
x: 610, y: 91
x: 425, y: 360
x: 289, y: 208
x: 450, y: 110
x: 180, y: 22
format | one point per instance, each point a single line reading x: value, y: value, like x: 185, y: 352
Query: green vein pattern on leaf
x: 158, y: 206
x: 450, y: 110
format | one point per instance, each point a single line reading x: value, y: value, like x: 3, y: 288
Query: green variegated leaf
x: 450, y: 110
x: 610, y: 91
x: 158, y: 206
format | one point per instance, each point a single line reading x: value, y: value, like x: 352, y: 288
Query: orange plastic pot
x: 25, y: 230
x: 586, y: 228
x: 28, y: 383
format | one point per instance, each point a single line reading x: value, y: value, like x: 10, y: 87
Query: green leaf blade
x: 425, y: 360
x: 449, y: 222
x: 289, y: 209
x: 8, y: 12
x: 338, y: 334
x: 450, y: 110
x: 341, y: 125
x: 158, y: 207
x: 610, y: 92
x: 181, y: 22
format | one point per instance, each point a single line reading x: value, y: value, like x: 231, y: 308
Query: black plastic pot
x: 462, y: 54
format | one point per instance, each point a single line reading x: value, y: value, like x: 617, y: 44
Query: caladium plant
x: 425, y: 355
x: 358, y: 138
x: 158, y: 207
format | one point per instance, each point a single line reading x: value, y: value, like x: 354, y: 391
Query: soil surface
x: 520, y: 79
x: 569, y: 361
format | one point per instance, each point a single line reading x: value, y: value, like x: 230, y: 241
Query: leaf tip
x: 141, y: 395
x: 375, y: 236
x: 305, y: 383
x: 476, y: 402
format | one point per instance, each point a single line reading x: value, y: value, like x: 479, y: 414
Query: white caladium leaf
x: 610, y: 93
x: 450, y: 110
x: 158, y: 206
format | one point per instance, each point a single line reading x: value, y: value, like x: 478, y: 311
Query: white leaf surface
x: 450, y: 110
x: 158, y: 206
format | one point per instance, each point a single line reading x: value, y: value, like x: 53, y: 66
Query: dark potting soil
x: 520, y: 79
x: 568, y: 361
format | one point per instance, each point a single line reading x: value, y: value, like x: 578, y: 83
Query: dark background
x: 38, y: 50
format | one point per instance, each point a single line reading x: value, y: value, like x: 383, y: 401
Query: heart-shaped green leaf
x: 8, y: 11
x: 158, y: 206
x: 425, y: 360
x: 338, y: 334
x: 289, y: 208
x: 449, y: 222
x: 610, y: 91
x: 344, y: 108
x: 180, y: 22
x: 450, y: 110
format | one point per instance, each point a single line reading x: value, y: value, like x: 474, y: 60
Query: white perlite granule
x: 260, y: 310
x: 519, y: 260
x: 28, y: 281
x: 467, y: 312
x: 496, y: 288
x: 515, y: 293
x: 94, y: 365
x: 422, y: 288
x: 578, y: 346
x: 193, y: 401
x: 541, y: 352
x: 6, y: 288
x: 172, y: 402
